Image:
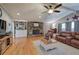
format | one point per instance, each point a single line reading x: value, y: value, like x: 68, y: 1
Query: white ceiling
x: 28, y: 11
x: 32, y: 11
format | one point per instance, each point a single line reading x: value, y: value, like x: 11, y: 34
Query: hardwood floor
x: 24, y: 46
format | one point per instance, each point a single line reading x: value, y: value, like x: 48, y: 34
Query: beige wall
x: 46, y: 27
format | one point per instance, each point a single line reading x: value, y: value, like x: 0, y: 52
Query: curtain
x: 76, y: 26
x: 68, y: 26
x: 59, y: 27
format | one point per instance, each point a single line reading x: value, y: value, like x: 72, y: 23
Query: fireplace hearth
x: 35, y: 32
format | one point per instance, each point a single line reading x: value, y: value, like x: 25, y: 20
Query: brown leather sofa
x: 70, y: 38
x: 75, y: 40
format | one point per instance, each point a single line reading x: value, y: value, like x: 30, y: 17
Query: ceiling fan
x: 52, y: 7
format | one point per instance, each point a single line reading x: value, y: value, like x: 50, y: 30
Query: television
x: 2, y: 27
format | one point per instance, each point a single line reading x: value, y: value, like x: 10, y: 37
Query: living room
x: 39, y: 29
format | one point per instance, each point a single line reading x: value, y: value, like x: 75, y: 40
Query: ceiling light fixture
x: 50, y: 11
x: 18, y: 13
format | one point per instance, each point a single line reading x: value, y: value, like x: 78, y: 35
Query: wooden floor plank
x: 23, y: 46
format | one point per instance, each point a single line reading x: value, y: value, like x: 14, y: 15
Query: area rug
x: 61, y: 49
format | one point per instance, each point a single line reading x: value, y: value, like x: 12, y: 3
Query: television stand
x: 5, y: 42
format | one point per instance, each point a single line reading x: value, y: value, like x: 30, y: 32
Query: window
x: 72, y: 26
x: 63, y: 27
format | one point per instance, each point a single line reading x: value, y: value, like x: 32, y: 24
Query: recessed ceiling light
x: 39, y: 16
x: 18, y: 13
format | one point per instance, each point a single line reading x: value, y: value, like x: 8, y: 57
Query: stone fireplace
x: 34, y: 28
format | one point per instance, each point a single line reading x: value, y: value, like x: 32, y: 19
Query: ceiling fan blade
x: 56, y: 11
x: 58, y: 6
x: 46, y: 7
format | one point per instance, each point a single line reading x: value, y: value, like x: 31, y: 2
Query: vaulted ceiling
x: 33, y: 11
